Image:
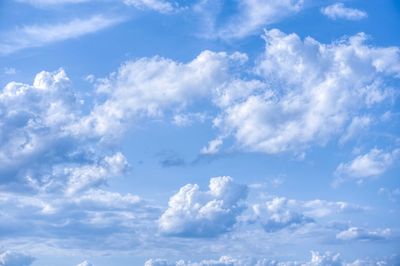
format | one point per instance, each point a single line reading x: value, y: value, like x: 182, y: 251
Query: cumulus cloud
x: 339, y: 11
x: 85, y: 263
x: 39, y: 35
x: 249, y: 19
x: 150, y: 87
x: 317, y: 259
x: 276, y: 215
x: 310, y: 92
x: 281, y: 213
x: 372, y: 164
x: 195, y: 213
x: 9, y: 258
x: 356, y: 233
x: 40, y: 149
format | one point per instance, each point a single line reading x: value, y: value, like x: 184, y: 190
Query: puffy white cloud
x: 356, y: 233
x: 317, y: 259
x: 85, y: 263
x: 153, y: 86
x: 39, y: 148
x: 310, y: 93
x: 195, y: 213
x: 89, y: 176
x: 251, y: 16
x: 374, y: 163
x: 281, y: 213
x: 39, y: 35
x: 276, y: 215
x: 339, y: 11
x: 9, y: 258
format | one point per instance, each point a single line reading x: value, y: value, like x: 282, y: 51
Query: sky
x: 199, y: 132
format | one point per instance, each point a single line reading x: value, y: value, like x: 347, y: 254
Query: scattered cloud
x: 317, y: 259
x: 9, y: 258
x: 276, y: 215
x: 339, y: 11
x: 162, y: 6
x: 249, y: 19
x: 356, y: 233
x: 195, y: 213
x: 38, y: 35
x: 10, y: 71
x: 372, y: 164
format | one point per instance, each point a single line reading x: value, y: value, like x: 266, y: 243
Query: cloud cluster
x: 310, y: 93
x: 276, y: 215
x: 195, y: 213
x: 317, y: 259
x: 339, y: 11
x: 280, y: 213
x: 41, y: 149
x: 9, y: 258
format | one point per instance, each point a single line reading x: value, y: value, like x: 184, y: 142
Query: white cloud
x: 195, y: 213
x: 162, y: 6
x: 355, y: 233
x: 39, y: 35
x: 276, y: 215
x: 310, y: 92
x: 39, y: 149
x: 372, y: 164
x: 85, y: 263
x: 317, y: 259
x: 339, y: 11
x: 88, y: 176
x: 212, y: 147
x: 150, y: 87
x: 9, y: 258
x: 252, y: 15
x: 281, y: 213
x: 357, y: 125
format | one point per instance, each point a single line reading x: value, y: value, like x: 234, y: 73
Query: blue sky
x: 157, y: 132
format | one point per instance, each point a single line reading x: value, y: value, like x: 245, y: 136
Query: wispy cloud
x: 39, y: 35
x: 339, y: 11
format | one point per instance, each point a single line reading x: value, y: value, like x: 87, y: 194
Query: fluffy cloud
x: 374, y: 163
x: 195, y: 213
x: 317, y: 259
x: 276, y: 215
x: 355, y: 233
x: 39, y: 35
x: 40, y: 149
x: 309, y: 94
x: 251, y: 16
x: 9, y: 258
x: 85, y: 263
x: 281, y: 213
x: 153, y: 86
x: 339, y: 11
